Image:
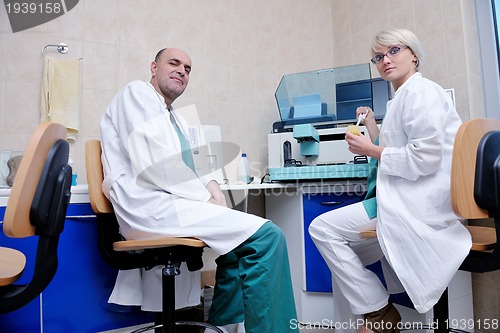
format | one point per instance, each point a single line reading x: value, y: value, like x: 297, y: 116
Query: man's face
x: 170, y: 74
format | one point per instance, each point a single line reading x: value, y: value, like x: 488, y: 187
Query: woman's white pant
x: 336, y: 235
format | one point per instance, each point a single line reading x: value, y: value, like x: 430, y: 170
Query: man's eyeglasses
x: 394, y: 51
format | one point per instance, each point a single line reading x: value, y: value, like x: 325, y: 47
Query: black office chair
x: 36, y: 207
x: 475, y: 195
x: 129, y: 254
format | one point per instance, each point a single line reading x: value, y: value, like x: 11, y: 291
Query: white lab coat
x: 153, y: 192
x: 421, y: 237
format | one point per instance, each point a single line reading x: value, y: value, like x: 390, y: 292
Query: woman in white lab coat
x: 408, y: 199
x: 151, y: 180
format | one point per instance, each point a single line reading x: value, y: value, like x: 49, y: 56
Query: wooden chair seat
x: 12, y: 264
x: 142, y: 244
x: 483, y: 238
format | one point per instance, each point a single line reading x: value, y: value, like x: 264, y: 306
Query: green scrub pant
x: 253, y: 285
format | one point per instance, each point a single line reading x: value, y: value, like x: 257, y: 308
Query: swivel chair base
x: 169, y: 272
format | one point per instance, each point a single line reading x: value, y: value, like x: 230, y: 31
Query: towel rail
x: 61, y: 47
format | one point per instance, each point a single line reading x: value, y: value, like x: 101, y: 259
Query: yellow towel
x: 60, y: 97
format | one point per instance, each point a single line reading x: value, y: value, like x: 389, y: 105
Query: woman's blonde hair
x: 399, y: 36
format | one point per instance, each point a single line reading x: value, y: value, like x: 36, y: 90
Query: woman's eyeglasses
x: 394, y: 51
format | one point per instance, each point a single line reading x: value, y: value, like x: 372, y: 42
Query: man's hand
x: 218, y: 197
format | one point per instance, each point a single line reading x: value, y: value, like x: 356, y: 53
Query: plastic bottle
x: 244, y: 169
x: 74, y: 175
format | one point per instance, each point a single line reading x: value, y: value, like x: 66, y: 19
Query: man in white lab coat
x: 152, y: 183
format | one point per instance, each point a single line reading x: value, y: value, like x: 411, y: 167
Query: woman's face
x: 397, y: 65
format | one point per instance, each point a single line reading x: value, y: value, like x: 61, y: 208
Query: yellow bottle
x: 354, y: 129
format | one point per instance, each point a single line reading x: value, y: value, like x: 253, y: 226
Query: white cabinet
x: 293, y: 212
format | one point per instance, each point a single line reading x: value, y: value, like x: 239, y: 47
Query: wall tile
x: 325, y: 55
x: 16, y: 142
x: 132, y: 64
x: 475, y: 97
x: 361, y: 47
x: 23, y: 58
x: 455, y: 51
x: 306, y: 21
x: 403, y: 17
x: 430, y: 12
x: 462, y: 93
x: 306, y: 54
x: 4, y: 21
x: 94, y: 104
x: 69, y: 25
x: 286, y: 55
x: 241, y: 28
x: 3, y: 52
x: 264, y: 15
x: 21, y: 114
x: 468, y: 10
x: 100, y: 23
x: 130, y: 22
x: 264, y: 65
x: 2, y: 113
x: 452, y: 14
x: 360, y: 15
x: 99, y: 66
x: 218, y: 11
x: 435, y: 64
x: 219, y: 87
x: 162, y: 29
x: 218, y: 38
x: 287, y: 14
x: 472, y: 51
x: 194, y: 10
x: 243, y: 80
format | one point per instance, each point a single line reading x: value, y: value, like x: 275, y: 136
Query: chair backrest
x: 468, y: 156
x: 17, y: 215
x: 107, y: 224
x: 95, y: 176
x: 463, y: 168
x: 37, y: 206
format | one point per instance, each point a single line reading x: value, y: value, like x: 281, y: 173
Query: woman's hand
x: 369, y: 122
x: 369, y: 114
x: 362, y: 145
